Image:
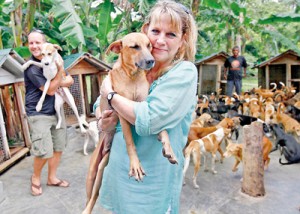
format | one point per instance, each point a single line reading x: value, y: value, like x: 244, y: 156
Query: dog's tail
x: 289, y: 162
x: 187, y: 155
x: 82, y: 119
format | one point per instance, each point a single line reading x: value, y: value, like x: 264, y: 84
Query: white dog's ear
x: 57, y: 47
x: 114, y: 47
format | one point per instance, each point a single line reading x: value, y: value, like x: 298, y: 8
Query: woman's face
x: 165, y: 40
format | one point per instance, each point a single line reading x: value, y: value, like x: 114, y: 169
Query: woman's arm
x: 122, y: 105
x: 170, y: 100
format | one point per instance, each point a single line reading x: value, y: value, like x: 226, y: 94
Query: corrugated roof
x: 4, y: 53
x: 276, y: 57
x: 12, y: 62
x: 212, y: 56
x: 73, y: 59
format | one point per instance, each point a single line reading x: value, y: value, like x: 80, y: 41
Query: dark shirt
x: 235, y: 65
x: 34, y: 79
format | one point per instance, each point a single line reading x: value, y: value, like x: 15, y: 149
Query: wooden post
x: 253, y: 174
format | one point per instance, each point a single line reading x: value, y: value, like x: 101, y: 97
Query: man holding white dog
x: 48, y: 142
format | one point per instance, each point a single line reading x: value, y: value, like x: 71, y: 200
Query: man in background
x: 235, y: 68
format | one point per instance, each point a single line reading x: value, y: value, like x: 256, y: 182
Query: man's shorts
x: 45, y: 137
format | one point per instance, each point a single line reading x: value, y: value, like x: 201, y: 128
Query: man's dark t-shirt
x: 235, y: 66
x: 34, y: 79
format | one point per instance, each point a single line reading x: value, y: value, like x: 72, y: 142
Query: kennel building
x: 14, y: 131
x: 284, y: 67
x: 88, y: 73
x: 210, y: 73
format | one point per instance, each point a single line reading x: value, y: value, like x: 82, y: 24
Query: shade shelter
x: 284, y: 67
x: 14, y: 131
x: 88, y: 73
x: 210, y: 70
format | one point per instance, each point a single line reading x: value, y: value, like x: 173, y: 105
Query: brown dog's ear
x: 114, y: 47
x: 57, y: 47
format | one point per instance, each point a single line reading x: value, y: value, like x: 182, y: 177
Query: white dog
x: 48, y: 63
x: 91, y: 135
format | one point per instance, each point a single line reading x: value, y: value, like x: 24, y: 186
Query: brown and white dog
x: 50, y: 58
x: 236, y: 150
x: 269, y: 110
x: 129, y: 80
x: 206, y: 145
x: 197, y: 132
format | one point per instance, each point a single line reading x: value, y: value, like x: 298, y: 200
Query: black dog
x: 289, y: 146
x: 294, y: 112
x: 247, y: 120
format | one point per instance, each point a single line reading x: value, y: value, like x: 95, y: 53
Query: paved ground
x: 217, y: 194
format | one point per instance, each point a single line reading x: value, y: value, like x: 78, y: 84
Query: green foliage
x: 71, y: 25
x: 285, y: 18
x: 105, y: 22
x: 237, y: 9
x: 267, y: 28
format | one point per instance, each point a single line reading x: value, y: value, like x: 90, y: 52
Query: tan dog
x: 290, y: 125
x: 50, y: 58
x: 297, y: 104
x: 236, y: 150
x: 201, y: 121
x: 265, y: 93
x: 254, y: 107
x: 206, y: 145
x: 269, y: 110
x: 129, y: 80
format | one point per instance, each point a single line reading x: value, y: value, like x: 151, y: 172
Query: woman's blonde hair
x: 181, y: 17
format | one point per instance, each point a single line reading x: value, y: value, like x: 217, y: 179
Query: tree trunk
x: 253, y: 174
x: 16, y: 20
x: 229, y: 44
x: 29, y: 18
x: 8, y: 110
x: 195, y: 7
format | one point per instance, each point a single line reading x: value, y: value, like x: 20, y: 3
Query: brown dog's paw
x: 170, y: 156
x: 235, y: 169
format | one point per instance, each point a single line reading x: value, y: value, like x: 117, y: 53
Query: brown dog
x: 129, y: 80
x: 290, y: 125
x: 202, y: 120
x: 236, y: 150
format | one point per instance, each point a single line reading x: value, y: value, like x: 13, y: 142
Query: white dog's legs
x: 70, y: 100
x: 205, y: 162
x: 213, y: 160
x: 41, y: 101
x: 58, y: 105
x: 31, y: 62
x: 186, y: 166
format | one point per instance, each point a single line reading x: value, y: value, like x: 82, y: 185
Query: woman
x: 169, y: 106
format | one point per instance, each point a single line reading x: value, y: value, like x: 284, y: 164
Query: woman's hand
x: 106, y: 86
x: 108, y: 121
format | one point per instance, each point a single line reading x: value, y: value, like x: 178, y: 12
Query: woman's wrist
x: 110, y: 97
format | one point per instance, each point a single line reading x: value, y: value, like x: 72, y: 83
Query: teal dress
x: 169, y: 106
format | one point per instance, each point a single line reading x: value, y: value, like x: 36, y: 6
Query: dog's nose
x: 150, y: 63
x: 47, y: 63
